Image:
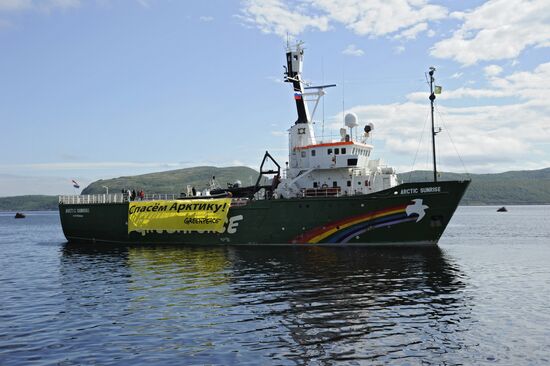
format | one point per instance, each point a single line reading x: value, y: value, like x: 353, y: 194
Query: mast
x: 293, y: 74
x: 432, y: 98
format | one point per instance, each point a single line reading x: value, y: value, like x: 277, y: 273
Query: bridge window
x: 343, y: 150
x: 312, y: 152
x: 337, y: 151
x: 329, y: 151
x: 303, y: 154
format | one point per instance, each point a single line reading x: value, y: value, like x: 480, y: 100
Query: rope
x: 418, y: 147
x: 452, y: 142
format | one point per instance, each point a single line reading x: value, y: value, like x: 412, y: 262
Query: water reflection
x: 377, y: 304
x: 285, y: 304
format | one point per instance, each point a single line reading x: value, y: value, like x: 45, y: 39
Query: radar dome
x: 350, y: 120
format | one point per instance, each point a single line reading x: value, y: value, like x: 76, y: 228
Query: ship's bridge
x: 340, y: 154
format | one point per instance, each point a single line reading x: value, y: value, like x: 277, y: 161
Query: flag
x: 297, y: 96
x: 437, y: 89
x: 75, y: 184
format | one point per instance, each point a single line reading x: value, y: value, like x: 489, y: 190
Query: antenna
x: 343, y: 94
x: 323, y: 77
x: 432, y: 99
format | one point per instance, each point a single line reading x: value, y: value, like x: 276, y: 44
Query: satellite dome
x: 350, y: 120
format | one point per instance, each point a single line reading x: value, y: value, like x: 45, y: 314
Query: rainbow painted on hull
x: 342, y: 231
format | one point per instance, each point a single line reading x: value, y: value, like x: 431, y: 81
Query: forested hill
x: 176, y: 181
x: 524, y: 187
x: 514, y: 187
x: 28, y: 203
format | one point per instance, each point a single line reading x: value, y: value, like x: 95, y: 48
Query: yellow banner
x: 188, y: 215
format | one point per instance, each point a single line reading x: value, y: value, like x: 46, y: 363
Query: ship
x: 331, y: 192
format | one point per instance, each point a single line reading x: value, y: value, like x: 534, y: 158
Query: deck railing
x: 111, y: 198
x: 120, y: 198
x: 321, y: 192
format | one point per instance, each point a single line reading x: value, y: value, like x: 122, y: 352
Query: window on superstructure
x: 329, y: 151
x: 336, y: 151
x: 312, y: 152
x: 349, y: 183
x: 335, y: 184
x: 315, y: 184
x: 303, y: 154
x: 343, y: 150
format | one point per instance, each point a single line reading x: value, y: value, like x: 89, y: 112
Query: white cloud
x: 379, y: 18
x: 456, y: 75
x: 491, y: 137
x: 461, y: 93
x: 372, y: 18
x: 352, y: 50
x: 274, y: 16
x: 498, y: 29
x: 492, y: 70
x: 533, y: 86
x: 413, y: 31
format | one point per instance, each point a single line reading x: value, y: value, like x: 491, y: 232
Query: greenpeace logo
x: 201, y: 221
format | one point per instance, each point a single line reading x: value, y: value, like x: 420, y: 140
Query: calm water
x: 482, y: 297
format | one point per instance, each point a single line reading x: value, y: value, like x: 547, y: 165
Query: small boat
x: 19, y: 215
x: 502, y: 209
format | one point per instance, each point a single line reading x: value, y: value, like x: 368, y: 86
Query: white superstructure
x: 328, y: 168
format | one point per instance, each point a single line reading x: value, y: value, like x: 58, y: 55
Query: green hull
x: 412, y: 213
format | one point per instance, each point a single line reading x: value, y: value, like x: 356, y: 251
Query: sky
x: 97, y: 89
